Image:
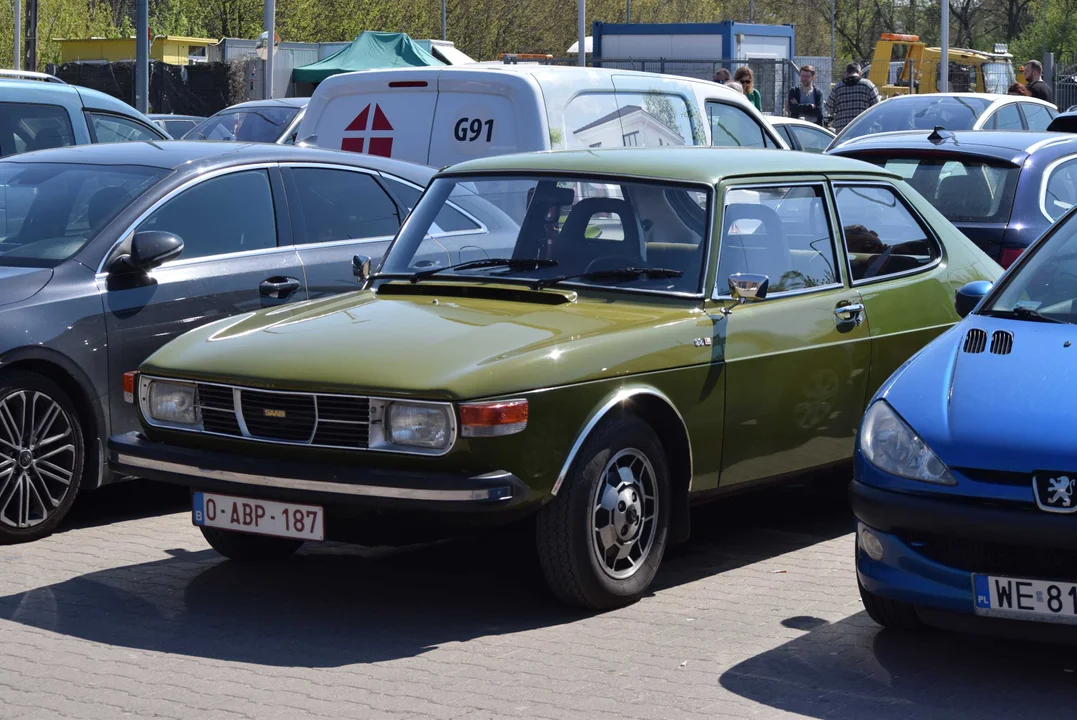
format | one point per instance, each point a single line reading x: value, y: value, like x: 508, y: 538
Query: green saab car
x: 655, y: 327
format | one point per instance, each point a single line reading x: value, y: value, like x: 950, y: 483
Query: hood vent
x: 1001, y: 342
x: 976, y: 341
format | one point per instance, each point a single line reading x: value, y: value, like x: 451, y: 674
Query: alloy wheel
x: 624, y: 511
x: 37, y: 458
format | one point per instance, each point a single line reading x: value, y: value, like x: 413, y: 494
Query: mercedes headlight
x: 170, y: 402
x: 891, y: 445
x: 415, y: 425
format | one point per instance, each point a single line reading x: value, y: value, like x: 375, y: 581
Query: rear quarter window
x: 25, y: 127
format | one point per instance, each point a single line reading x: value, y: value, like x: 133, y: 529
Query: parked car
x: 40, y: 111
x: 438, y: 116
x: 265, y: 121
x: 1002, y: 189
x: 952, y: 111
x: 964, y: 486
x: 656, y: 326
x: 175, y: 125
x: 109, y: 251
x: 801, y: 134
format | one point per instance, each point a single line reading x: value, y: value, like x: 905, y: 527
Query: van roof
x: 707, y: 165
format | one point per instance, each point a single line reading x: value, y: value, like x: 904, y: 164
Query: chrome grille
x: 341, y: 421
x: 976, y: 341
x: 1001, y: 342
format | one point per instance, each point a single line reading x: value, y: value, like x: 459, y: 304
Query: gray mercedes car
x: 109, y: 251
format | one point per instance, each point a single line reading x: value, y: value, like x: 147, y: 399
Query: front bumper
x: 932, y: 545
x: 295, y: 481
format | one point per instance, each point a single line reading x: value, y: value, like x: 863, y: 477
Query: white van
x: 444, y: 115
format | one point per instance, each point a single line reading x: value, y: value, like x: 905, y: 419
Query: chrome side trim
x: 617, y: 399
x: 499, y: 494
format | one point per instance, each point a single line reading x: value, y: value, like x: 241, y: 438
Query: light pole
x: 833, y: 48
x: 751, y: 10
x: 16, y: 59
x: 142, y: 56
x: 443, y: 35
x: 581, y: 10
x: 1043, y: 57
x: 628, y: 11
x: 944, y: 70
x: 269, y: 17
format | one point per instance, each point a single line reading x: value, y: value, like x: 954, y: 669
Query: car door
x: 796, y: 361
x: 237, y: 258
x: 894, y: 261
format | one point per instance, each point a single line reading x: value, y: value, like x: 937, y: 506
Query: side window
x: 781, y: 232
x: 1060, y: 189
x: 733, y: 127
x: 1038, y: 117
x: 783, y: 130
x: 226, y: 214
x: 448, y: 220
x: 1006, y: 118
x: 811, y: 140
x: 343, y: 205
x: 25, y: 127
x: 651, y: 119
x: 114, y: 128
x: 881, y: 235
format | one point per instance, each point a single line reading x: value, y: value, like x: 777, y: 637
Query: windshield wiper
x: 1023, y: 313
x: 511, y: 263
x: 625, y: 273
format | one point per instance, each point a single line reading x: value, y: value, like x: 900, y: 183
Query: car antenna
x: 940, y: 135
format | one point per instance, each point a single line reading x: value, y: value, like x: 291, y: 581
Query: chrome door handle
x: 852, y: 311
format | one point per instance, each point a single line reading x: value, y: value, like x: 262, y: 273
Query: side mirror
x: 361, y: 268
x: 747, y: 286
x: 149, y: 249
x: 969, y: 296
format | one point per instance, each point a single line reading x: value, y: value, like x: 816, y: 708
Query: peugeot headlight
x: 170, y: 402
x: 414, y: 425
x: 891, y: 445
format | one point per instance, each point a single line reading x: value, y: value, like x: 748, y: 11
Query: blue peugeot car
x: 965, y: 486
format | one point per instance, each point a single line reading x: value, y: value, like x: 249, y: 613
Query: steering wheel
x: 876, y: 266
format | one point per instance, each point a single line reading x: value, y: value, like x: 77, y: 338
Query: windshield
x: 964, y: 189
x: 254, y: 124
x: 923, y: 112
x: 998, y: 77
x: 570, y: 226
x: 1046, y: 283
x: 48, y: 211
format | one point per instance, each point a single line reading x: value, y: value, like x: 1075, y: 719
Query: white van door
x: 481, y: 113
x: 384, y: 112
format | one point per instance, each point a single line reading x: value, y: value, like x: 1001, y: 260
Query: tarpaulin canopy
x: 369, y: 51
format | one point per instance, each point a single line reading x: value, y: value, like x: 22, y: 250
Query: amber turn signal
x: 492, y: 419
x: 130, y: 379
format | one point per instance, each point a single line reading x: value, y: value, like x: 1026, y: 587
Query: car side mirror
x: 968, y: 296
x: 748, y: 286
x: 361, y: 268
x: 149, y: 249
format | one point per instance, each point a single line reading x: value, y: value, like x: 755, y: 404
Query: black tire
x: 42, y: 456
x: 247, y: 547
x: 891, y: 614
x: 566, y: 539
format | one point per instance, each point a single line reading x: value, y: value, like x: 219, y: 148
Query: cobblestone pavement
x: 127, y: 613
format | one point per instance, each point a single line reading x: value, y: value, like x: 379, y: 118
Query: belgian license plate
x: 262, y: 517
x: 1039, y: 600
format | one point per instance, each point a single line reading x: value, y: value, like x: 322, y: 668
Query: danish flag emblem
x: 369, y: 132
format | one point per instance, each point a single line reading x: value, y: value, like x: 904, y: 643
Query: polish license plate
x: 1018, y: 599
x: 261, y: 517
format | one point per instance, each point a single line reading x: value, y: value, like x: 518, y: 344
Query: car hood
x: 1009, y: 412
x: 441, y: 346
x: 19, y: 283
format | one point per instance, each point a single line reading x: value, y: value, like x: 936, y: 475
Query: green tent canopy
x: 369, y: 51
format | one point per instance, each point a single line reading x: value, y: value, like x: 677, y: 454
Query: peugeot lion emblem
x: 1054, y: 493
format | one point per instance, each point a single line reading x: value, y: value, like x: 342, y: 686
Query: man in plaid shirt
x: 850, y: 97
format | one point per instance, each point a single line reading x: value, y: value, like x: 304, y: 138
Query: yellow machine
x: 902, y: 64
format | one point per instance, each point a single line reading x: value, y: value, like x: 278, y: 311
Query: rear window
x: 963, y: 189
x: 256, y: 124
x: 925, y: 112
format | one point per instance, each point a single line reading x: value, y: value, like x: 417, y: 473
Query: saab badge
x: 270, y: 412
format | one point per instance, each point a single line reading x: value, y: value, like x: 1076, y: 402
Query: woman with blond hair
x: 744, y: 76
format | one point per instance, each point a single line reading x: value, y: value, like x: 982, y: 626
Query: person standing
x: 852, y: 96
x: 744, y: 76
x: 1037, y: 88
x: 806, y: 101
x: 722, y: 76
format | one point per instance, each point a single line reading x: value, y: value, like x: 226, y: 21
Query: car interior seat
x: 575, y: 252
x: 763, y: 251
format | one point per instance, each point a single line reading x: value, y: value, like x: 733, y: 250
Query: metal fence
x: 1065, y: 83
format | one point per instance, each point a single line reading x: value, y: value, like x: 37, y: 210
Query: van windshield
x: 564, y: 226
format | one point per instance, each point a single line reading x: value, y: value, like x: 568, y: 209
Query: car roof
x: 1002, y: 144
x: 22, y: 90
x: 705, y: 165
x: 297, y: 102
x: 991, y: 98
x: 201, y: 155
